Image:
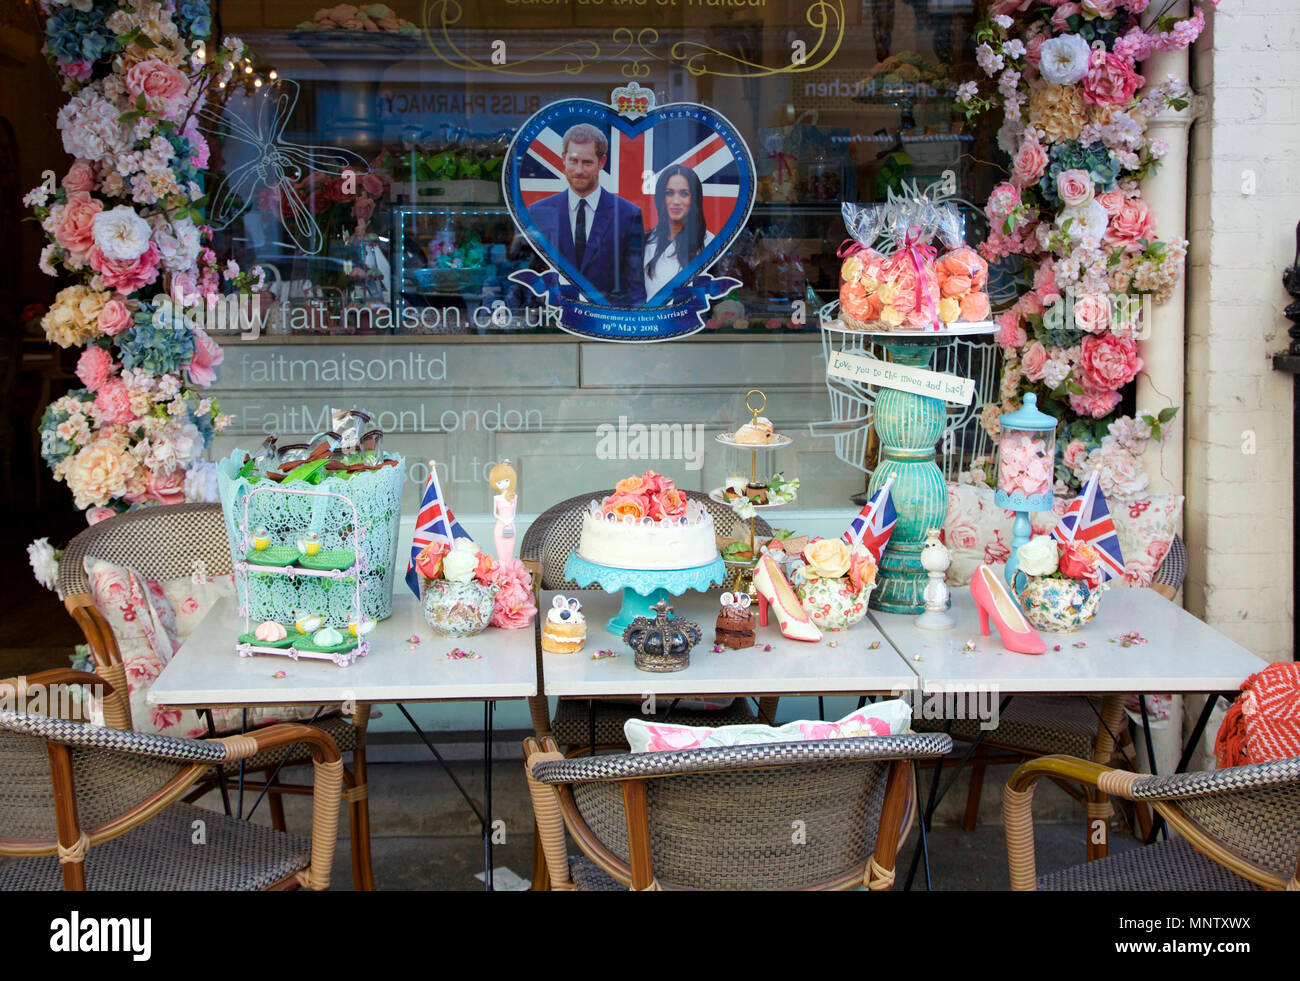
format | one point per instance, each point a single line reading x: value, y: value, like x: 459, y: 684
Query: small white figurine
x: 935, y: 559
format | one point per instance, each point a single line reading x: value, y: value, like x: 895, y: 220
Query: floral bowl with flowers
x: 1059, y: 583
x: 834, y: 582
x: 456, y: 587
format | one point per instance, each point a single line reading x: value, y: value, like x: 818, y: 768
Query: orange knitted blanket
x: 1264, y: 721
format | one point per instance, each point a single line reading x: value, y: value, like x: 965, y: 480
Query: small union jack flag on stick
x: 1088, y: 520
x: 875, y: 522
x: 433, y: 523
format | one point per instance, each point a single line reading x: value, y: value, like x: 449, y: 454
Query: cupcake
x: 566, y: 628
x: 735, y: 627
x: 757, y: 433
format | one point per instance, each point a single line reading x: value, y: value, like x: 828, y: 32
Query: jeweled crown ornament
x: 663, y: 642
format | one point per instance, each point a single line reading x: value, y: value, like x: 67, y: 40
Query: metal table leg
x: 488, y: 709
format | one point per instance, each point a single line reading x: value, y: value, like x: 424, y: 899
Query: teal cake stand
x: 642, y: 588
x: 909, y: 427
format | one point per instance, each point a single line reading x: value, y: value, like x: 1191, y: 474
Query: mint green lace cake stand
x: 642, y: 588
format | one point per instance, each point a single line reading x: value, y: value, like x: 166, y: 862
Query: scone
x: 757, y: 433
x: 566, y: 628
x: 735, y: 627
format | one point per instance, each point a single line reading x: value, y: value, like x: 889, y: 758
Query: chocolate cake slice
x: 735, y: 628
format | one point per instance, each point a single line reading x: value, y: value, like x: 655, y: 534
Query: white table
x: 1182, y: 653
x: 206, y: 673
x: 791, y: 667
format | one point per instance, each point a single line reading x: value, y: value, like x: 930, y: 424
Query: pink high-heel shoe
x: 774, y: 590
x: 993, y: 601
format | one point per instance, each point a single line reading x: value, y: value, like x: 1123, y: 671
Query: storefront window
x: 388, y: 243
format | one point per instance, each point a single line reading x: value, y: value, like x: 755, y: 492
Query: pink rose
x: 1029, y: 165
x: 373, y: 185
x: 1132, y: 223
x: 363, y: 208
x: 114, y: 317
x: 94, y: 367
x: 80, y: 178
x: 75, y: 231
x: 1075, y: 454
x: 671, y: 502
x: 1029, y: 305
x: 1102, y: 8
x: 1110, y: 81
x: 1112, y: 201
x: 207, y: 356
x: 1034, y: 52
x: 99, y: 513
x: 127, y: 275
x: 1094, y: 405
x: 1092, y: 313
x: 164, y: 88
x: 1033, y: 360
x: 1074, y: 187
x: 113, y: 403
x: 165, y: 489
x: 1062, y: 13
x: 1108, y: 362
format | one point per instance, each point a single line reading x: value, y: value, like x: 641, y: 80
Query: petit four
x: 566, y: 628
x: 758, y: 432
x: 735, y: 487
x: 270, y: 632
x: 306, y: 623
x: 735, y: 627
x: 327, y: 637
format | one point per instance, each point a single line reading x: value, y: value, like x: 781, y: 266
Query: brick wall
x: 1244, y: 202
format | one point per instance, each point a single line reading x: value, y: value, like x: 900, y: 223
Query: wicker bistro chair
x: 92, y: 807
x: 165, y: 543
x: 827, y: 814
x: 1238, y: 828
x: 546, y: 546
x: 1082, y: 726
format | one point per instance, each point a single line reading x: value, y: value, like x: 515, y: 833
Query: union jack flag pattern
x: 1088, y: 520
x: 433, y: 523
x: 634, y: 165
x: 875, y: 522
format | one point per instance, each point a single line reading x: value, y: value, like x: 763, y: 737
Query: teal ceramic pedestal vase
x: 909, y: 427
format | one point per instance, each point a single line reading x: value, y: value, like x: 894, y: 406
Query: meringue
x: 327, y: 637
x: 270, y: 631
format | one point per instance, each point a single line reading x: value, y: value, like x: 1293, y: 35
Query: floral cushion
x: 978, y: 531
x: 149, y: 631
x: 878, y: 719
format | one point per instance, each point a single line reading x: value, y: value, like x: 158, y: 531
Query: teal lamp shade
x: 1026, y: 460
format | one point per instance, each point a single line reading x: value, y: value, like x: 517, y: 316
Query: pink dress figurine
x: 502, y: 477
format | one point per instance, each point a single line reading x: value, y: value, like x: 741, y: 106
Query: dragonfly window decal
x: 250, y: 128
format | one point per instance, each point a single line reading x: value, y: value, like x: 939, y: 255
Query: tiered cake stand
x: 642, y: 588
x: 909, y: 427
x: 742, y: 573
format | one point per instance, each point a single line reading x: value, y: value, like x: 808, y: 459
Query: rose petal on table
x: 874, y: 645
x: 279, y: 674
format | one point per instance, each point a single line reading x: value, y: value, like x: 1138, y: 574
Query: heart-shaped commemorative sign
x: 629, y: 212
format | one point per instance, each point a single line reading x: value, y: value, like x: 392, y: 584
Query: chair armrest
x: 547, y: 814
x: 327, y: 787
x: 1018, y: 802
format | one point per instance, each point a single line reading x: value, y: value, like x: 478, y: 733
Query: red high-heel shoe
x: 993, y: 601
x: 774, y: 590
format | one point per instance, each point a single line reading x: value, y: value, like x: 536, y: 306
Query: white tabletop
x: 791, y: 667
x: 1182, y: 653
x: 207, y: 672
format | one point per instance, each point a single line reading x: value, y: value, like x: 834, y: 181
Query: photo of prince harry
x: 600, y: 233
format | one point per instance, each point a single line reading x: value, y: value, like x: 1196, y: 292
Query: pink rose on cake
x: 670, y: 502
x: 630, y: 485
x: 630, y: 505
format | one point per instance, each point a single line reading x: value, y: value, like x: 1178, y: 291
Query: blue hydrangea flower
x: 158, y: 343
x: 74, y: 35
x: 1073, y: 155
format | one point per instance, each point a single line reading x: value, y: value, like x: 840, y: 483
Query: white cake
x: 629, y: 543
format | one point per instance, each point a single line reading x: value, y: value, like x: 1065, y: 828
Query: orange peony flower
x: 627, y: 504
x: 483, y: 571
x: 429, y: 562
x: 629, y: 485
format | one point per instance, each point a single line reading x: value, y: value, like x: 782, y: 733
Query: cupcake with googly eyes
x: 566, y: 628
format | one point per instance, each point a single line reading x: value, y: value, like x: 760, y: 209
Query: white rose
x: 459, y: 564
x: 121, y: 234
x: 1065, y: 59
x: 1038, y: 556
x: 177, y: 241
x: 40, y: 554
x: 1087, y: 224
